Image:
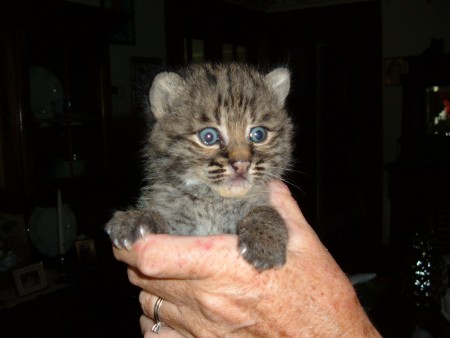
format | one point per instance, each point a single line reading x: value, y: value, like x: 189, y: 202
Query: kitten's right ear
x: 165, y: 89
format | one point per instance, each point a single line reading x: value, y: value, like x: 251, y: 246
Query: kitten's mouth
x: 235, y: 187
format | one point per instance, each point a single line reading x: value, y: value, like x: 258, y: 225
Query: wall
x: 150, y: 42
x: 128, y: 127
x: 407, y: 27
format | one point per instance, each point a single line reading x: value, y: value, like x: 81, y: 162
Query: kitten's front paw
x: 263, y: 238
x: 262, y: 257
x: 126, y: 227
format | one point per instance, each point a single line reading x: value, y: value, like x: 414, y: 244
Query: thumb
x: 298, y: 228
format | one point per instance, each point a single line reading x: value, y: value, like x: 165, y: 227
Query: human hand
x: 209, y: 290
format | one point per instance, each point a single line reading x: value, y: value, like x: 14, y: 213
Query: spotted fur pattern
x: 196, y: 188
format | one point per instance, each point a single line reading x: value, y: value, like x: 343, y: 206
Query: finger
x: 282, y: 200
x: 152, y: 257
x: 127, y: 256
x: 168, y: 313
x: 173, y: 291
x: 286, y: 205
x: 299, y: 229
x: 148, y: 302
x: 146, y: 329
x: 192, y: 258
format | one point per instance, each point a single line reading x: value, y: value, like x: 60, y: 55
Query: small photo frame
x: 394, y: 68
x: 86, y: 252
x: 14, y: 244
x: 30, y: 279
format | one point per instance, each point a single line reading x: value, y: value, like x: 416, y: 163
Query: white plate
x: 47, y: 93
x: 43, y: 229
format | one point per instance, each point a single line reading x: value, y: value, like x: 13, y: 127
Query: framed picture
x: 30, y: 279
x: 143, y: 70
x: 125, y: 34
x: 14, y: 244
x: 393, y: 69
x: 86, y: 252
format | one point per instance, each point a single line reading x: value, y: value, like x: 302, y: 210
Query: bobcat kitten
x: 221, y: 134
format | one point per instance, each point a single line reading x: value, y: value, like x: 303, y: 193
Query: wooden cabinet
x: 83, y: 307
x: 426, y: 89
x: 419, y: 202
x: 419, y: 180
x: 55, y: 112
x: 55, y: 103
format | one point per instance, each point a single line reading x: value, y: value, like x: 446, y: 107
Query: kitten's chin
x: 233, y: 189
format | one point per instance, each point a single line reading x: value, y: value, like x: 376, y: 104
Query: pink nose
x: 240, y: 167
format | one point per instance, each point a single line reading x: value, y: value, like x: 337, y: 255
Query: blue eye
x: 258, y: 134
x: 209, y: 136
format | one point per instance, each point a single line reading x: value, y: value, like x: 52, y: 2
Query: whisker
x: 295, y: 163
x: 298, y: 172
x: 287, y: 182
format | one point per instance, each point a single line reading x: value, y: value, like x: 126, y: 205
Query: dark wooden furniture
x: 420, y: 199
x: 95, y: 303
x: 419, y: 185
x: 66, y: 143
x: 419, y: 181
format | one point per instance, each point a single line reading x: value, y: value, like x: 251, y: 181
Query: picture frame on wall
x: 14, y: 243
x: 30, y: 279
x: 394, y: 68
x: 143, y: 69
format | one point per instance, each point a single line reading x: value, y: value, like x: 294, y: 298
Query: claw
x: 127, y: 244
x: 117, y: 244
x: 142, y: 231
x: 243, y: 250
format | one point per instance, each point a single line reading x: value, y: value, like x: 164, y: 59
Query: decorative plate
x: 43, y: 229
x: 47, y: 93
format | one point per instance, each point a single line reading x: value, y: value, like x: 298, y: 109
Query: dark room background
x: 367, y: 174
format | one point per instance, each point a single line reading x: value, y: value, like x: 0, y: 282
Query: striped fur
x: 198, y: 189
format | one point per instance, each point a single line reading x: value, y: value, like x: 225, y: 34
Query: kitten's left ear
x: 279, y: 80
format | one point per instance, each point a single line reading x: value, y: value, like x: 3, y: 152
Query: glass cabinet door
x: 65, y: 123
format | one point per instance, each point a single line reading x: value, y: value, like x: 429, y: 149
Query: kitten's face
x: 236, y: 152
x: 226, y: 128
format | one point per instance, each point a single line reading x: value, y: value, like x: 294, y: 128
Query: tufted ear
x: 280, y: 81
x: 166, y: 87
